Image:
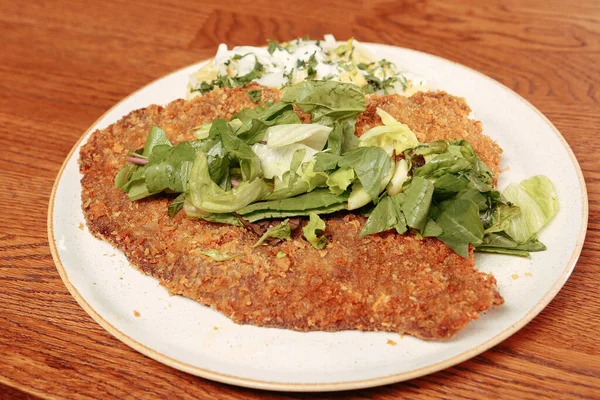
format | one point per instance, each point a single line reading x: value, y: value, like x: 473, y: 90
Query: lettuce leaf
x: 169, y: 167
x: 391, y: 136
x: 371, y: 165
x: 297, y: 180
x: 276, y: 162
x: 320, y: 201
x: 314, y: 228
x: 342, y: 138
x: 256, y: 121
x: 503, y: 244
x: 332, y: 99
x: 156, y: 137
x: 176, y: 205
x: 400, y: 176
x: 532, y: 217
x: 333, y: 104
x: 132, y: 178
x: 208, y: 197
x: 540, y: 189
x: 339, y: 181
x: 281, y: 231
x: 222, y: 218
x: 216, y: 255
x: 312, y: 135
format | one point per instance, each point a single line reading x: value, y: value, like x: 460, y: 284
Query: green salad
x: 265, y: 164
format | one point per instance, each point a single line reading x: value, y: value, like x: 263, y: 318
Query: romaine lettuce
x: 208, y: 197
x: 313, y: 229
x: 281, y: 231
x: 537, y: 201
x: 391, y: 136
x: 311, y: 135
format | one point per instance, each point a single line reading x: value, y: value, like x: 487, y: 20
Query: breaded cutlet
x: 383, y: 282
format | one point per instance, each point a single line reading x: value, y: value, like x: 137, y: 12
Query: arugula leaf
x: 225, y: 151
x: 311, y: 231
x: 136, y: 189
x: 448, y: 185
x: 445, y: 163
x: 482, y: 200
x: 501, y: 239
x: 461, y: 225
x: 281, y: 231
x: 167, y: 168
x: 417, y: 202
x: 371, y: 165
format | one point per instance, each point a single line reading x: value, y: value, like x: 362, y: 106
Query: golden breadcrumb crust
x: 385, y: 282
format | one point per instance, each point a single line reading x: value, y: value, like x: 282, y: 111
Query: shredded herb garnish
x: 255, y: 95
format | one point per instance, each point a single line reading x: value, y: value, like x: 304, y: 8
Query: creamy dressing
x: 298, y: 60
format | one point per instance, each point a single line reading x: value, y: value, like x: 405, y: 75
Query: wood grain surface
x: 63, y: 63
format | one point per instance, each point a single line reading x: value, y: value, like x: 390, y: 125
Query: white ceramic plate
x: 193, y: 338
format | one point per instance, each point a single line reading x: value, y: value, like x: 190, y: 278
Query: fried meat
x: 385, y: 282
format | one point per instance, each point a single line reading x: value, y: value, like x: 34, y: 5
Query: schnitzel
x: 382, y: 282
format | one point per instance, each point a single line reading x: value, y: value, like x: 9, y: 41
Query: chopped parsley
x: 255, y: 95
x: 274, y: 45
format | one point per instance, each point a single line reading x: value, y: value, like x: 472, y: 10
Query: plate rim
x: 336, y: 386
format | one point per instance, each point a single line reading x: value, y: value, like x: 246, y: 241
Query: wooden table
x: 64, y: 63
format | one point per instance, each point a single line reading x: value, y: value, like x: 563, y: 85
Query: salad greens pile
x: 266, y: 164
